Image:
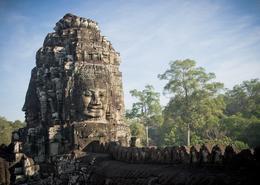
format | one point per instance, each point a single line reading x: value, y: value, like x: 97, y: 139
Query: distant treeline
x: 200, y: 110
x: 6, y: 129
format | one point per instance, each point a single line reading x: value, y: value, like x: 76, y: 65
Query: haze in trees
x: 147, y: 111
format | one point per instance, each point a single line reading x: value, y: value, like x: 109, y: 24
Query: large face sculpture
x: 95, y: 102
x: 93, y: 96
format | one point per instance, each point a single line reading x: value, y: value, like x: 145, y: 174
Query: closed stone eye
x: 101, y: 94
x: 87, y: 93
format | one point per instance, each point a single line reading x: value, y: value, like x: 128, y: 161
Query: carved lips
x: 95, y: 103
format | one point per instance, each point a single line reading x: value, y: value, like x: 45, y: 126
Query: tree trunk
x: 188, y: 135
x: 147, y: 138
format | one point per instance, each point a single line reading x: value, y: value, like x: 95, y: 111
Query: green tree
x: 234, y: 126
x: 244, y: 99
x: 194, y: 105
x: 242, y: 120
x: 147, y: 109
x: 6, y: 129
x: 137, y: 130
x: 251, y: 134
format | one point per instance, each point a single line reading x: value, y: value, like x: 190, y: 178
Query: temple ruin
x: 76, y: 133
x: 75, y: 94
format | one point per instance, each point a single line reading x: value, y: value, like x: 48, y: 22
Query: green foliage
x: 251, y: 134
x: 137, y: 129
x: 147, y: 110
x: 172, y: 131
x: 242, y: 121
x: 244, y: 99
x: 240, y: 145
x: 6, y: 129
x: 194, y: 105
x: 197, y: 105
x: 187, y: 80
x: 173, y: 136
x: 234, y: 125
x: 225, y: 141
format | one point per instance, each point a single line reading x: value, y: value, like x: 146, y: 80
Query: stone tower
x: 75, y: 94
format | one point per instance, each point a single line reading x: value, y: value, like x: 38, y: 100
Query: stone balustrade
x: 202, y: 155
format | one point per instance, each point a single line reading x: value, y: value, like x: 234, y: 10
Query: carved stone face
x: 92, y: 94
x: 95, y: 103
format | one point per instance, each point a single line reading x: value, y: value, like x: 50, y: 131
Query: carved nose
x: 96, y: 99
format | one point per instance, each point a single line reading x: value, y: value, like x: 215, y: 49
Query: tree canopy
x: 6, y: 129
x: 244, y: 99
x: 194, y: 104
x: 242, y: 120
x: 147, y: 109
x: 199, y: 110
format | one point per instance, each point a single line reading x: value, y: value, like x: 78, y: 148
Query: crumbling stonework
x: 111, y: 163
x: 5, y: 160
x: 75, y: 94
x: 75, y: 132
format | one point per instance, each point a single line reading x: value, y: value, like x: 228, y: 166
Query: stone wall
x: 202, y: 155
x: 110, y: 163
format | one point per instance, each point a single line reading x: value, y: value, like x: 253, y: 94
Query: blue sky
x: 222, y: 36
